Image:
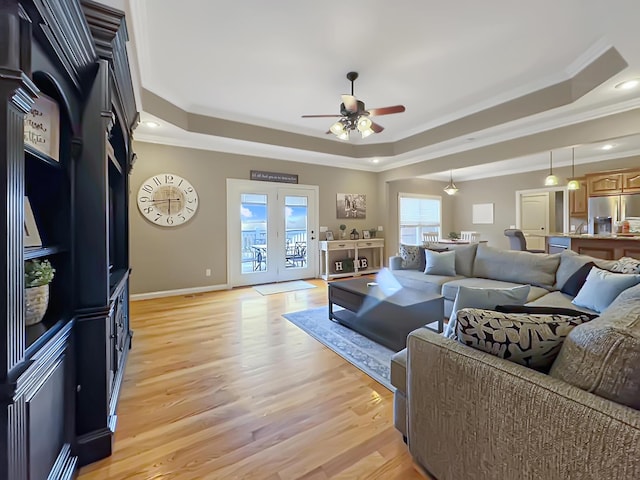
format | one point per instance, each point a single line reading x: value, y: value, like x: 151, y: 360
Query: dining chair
x: 473, y: 237
x: 430, y: 238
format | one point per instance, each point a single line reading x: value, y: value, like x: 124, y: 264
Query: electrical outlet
x: 207, y: 272
x: 380, y: 228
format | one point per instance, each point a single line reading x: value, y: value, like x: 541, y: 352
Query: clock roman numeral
x: 157, y: 181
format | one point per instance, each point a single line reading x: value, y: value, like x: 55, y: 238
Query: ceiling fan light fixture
x: 344, y: 135
x: 337, y: 128
x: 366, y: 133
x: 364, y: 123
x: 451, y: 188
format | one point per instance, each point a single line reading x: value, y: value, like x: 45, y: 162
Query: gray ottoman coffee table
x: 385, y: 319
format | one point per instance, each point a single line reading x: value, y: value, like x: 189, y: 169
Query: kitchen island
x: 608, y: 247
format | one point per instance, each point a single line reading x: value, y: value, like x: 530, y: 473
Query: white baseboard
x: 174, y: 293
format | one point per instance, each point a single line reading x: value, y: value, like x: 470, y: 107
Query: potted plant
x: 454, y: 236
x: 38, y: 274
x: 372, y: 232
x: 343, y: 229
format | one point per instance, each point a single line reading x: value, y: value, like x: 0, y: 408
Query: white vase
x: 343, y: 234
x: 36, y: 301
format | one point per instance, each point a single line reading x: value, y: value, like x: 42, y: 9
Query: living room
x: 206, y: 376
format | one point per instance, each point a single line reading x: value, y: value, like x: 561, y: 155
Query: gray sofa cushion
x: 603, y: 356
x: 450, y: 289
x: 570, y: 263
x: 399, y: 370
x: 557, y: 299
x: 465, y: 256
x: 537, y: 269
x: 421, y: 281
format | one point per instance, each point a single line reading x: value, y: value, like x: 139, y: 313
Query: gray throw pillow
x: 441, y: 263
x: 412, y: 256
x: 602, y: 288
x: 488, y: 298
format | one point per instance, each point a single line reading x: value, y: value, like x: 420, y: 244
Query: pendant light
x: 451, y: 188
x: 551, y: 178
x: 573, y: 183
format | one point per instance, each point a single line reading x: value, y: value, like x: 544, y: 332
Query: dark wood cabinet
x: 60, y: 378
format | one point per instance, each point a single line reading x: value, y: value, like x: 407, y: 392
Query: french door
x: 271, y: 232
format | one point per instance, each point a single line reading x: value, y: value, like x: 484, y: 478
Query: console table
x: 335, y: 250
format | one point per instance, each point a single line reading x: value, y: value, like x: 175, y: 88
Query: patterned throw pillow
x: 412, y: 257
x: 626, y: 265
x: 530, y: 340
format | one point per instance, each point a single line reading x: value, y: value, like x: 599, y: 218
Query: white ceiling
x: 267, y: 63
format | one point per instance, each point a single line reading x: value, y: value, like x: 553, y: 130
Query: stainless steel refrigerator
x: 605, y: 212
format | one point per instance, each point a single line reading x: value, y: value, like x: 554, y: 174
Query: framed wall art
x: 31, y: 234
x: 351, y: 205
x: 42, y: 127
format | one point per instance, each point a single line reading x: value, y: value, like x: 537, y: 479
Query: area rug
x: 370, y: 357
x: 271, y: 288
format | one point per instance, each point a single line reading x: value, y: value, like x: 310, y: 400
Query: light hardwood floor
x: 220, y: 386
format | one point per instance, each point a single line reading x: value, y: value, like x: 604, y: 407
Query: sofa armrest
x: 472, y: 415
x: 395, y: 262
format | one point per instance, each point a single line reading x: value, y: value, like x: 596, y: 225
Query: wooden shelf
x: 40, y: 333
x: 336, y: 250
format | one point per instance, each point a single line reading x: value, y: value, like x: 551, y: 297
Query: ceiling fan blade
x: 386, y: 110
x: 376, y: 127
x: 320, y: 116
x: 350, y: 103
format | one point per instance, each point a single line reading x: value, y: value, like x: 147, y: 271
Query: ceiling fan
x: 354, y: 116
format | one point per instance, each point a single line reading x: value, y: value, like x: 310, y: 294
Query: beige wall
x: 176, y: 258
x: 501, y: 192
x: 415, y: 185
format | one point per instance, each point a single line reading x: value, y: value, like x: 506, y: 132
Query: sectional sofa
x: 467, y: 414
x: 483, y: 266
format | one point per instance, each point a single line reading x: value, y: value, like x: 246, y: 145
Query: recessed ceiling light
x: 375, y: 160
x: 151, y: 124
x: 629, y: 84
x: 608, y: 146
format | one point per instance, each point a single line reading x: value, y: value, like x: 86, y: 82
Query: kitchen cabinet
x: 578, y: 199
x: 631, y: 182
x: 604, y: 184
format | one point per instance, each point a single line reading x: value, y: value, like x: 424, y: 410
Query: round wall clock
x: 167, y: 200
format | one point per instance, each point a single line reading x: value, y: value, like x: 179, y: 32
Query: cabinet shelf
x: 40, y: 333
x: 39, y: 252
x: 32, y: 153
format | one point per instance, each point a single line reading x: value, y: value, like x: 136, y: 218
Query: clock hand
x: 169, y: 206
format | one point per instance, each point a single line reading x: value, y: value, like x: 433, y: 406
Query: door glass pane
x: 295, y: 231
x: 253, y: 223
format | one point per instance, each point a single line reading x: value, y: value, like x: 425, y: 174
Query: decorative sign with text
x: 42, y: 127
x: 273, y: 177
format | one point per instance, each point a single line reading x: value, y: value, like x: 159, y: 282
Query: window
x: 418, y: 214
